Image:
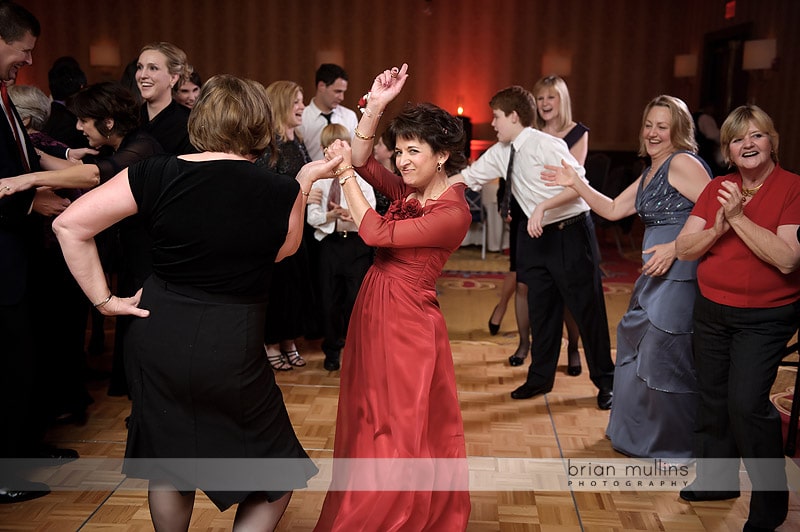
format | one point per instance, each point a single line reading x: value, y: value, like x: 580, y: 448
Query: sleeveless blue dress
x: 655, y: 387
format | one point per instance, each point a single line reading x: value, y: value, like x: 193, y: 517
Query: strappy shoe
x: 278, y: 361
x: 294, y: 358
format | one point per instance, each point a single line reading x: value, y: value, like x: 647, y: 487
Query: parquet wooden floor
x: 563, y: 424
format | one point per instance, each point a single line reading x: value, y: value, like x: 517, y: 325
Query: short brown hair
x: 738, y: 122
x: 437, y: 128
x: 681, y: 128
x: 232, y: 115
x: 515, y: 98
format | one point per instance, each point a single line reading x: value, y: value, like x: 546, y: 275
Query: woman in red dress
x: 398, y: 397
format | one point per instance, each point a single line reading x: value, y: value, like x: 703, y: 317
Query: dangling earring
x: 439, y: 167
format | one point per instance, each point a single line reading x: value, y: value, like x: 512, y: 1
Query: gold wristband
x: 363, y: 136
x: 342, y: 169
x: 344, y: 178
x: 303, y: 192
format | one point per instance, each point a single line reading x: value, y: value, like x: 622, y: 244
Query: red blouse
x: 730, y: 273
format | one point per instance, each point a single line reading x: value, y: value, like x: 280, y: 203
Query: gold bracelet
x: 103, y: 302
x: 363, y: 136
x: 367, y: 111
x: 342, y: 169
x: 344, y: 178
x: 303, y: 192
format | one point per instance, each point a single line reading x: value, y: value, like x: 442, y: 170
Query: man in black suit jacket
x: 21, y: 434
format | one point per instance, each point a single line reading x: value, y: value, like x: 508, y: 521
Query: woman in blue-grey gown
x: 654, y: 383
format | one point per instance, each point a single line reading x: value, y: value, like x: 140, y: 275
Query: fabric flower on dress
x: 403, y: 209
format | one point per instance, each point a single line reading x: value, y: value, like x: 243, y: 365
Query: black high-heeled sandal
x: 493, y: 328
x: 278, y: 361
x: 294, y: 358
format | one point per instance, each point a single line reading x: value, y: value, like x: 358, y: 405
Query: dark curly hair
x: 106, y: 100
x: 431, y: 124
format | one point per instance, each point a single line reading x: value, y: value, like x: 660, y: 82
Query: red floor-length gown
x: 398, y: 392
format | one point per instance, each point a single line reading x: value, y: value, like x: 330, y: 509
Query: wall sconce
x: 685, y: 66
x: 759, y: 54
x: 104, y: 53
x: 335, y: 56
x: 556, y: 63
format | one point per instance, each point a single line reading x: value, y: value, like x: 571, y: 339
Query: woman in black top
x: 161, y: 67
x: 200, y: 384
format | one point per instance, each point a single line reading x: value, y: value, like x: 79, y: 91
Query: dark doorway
x: 724, y: 83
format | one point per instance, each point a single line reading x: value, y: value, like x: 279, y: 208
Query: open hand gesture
x: 559, y: 176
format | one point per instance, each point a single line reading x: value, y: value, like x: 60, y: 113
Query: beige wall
x: 622, y: 50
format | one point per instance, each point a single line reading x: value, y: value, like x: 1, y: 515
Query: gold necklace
x: 748, y: 193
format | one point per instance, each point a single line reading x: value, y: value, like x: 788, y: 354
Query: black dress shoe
x: 33, y: 490
x: 331, y: 364
x: 526, y: 391
x: 574, y: 371
x: 56, y: 453
x: 689, y: 494
x: 753, y: 528
x: 493, y: 328
x: 604, y: 398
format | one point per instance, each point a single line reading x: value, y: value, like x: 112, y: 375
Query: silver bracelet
x: 103, y: 302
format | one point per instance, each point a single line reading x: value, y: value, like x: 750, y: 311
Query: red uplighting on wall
x: 730, y: 9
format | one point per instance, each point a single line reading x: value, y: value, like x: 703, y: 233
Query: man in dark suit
x: 19, y: 422
x: 65, y: 78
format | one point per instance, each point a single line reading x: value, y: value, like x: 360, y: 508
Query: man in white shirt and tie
x: 326, y: 108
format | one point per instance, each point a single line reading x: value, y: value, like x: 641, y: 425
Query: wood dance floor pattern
x: 564, y: 424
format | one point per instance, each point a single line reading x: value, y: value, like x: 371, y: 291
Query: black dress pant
x: 344, y: 261
x: 737, y: 352
x: 21, y: 429
x: 561, y: 267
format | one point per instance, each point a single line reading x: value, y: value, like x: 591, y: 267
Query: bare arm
x: 694, y: 241
x: 74, y: 176
x: 386, y: 86
x: 780, y: 249
x: 688, y: 176
x: 610, y: 209
x: 308, y: 174
x: 356, y: 201
x: 76, y: 228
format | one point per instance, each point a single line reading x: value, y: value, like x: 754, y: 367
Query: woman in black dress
x: 291, y: 298
x: 200, y: 385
